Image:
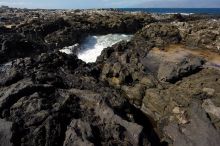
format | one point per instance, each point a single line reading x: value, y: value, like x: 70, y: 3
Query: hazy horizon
x: 88, y: 4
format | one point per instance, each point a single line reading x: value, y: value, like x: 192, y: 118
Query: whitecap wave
x: 186, y: 14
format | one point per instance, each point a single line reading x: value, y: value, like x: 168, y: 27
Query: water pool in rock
x: 92, y: 46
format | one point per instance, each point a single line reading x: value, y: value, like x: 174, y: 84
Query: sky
x: 78, y: 4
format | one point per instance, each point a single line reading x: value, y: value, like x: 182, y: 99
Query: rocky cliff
x: 161, y: 88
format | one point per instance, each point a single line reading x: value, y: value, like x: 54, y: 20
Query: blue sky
x: 109, y: 3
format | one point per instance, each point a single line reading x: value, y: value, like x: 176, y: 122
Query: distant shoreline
x: 161, y: 11
x: 148, y: 10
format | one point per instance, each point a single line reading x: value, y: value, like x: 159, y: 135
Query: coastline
x: 161, y: 87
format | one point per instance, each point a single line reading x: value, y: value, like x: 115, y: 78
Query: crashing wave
x: 92, y: 46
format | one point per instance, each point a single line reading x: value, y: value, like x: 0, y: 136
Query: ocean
x: 211, y: 11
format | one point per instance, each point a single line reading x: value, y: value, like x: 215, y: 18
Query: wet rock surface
x: 137, y: 93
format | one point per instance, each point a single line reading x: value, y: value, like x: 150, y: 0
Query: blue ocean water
x: 175, y: 10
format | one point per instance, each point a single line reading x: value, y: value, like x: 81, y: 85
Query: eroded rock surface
x: 5, y: 133
x: 136, y: 93
x: 189, y: 134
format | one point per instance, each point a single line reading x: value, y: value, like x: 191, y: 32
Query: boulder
x: 174, y: 71
x: 160, y: 34
x: 78, y: 133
